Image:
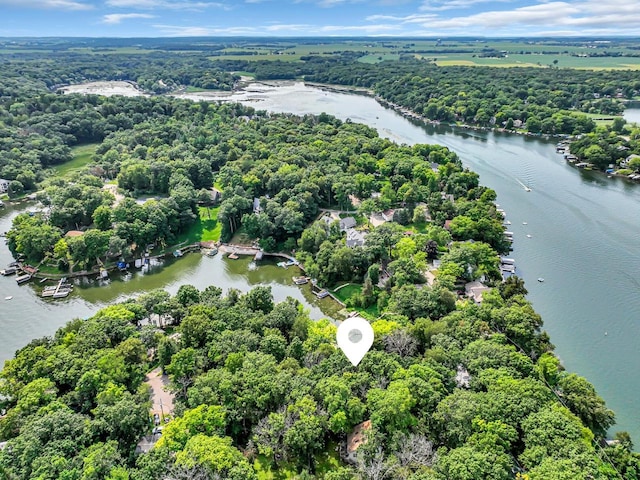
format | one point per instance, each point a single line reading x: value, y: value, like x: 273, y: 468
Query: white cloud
x: 49, y: 4
x: 164, y: 4
x: 559, y: 17
x: 195, y: 31
x: 280, y: 29
x: 115, y: 18
x: 440, y: 5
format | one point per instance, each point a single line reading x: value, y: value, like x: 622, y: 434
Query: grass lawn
x: 370, y: 313
x: 325, y: 462
x: 345, y: 292
x: 602, y: 119
x: 205, y: 229
x: 240, y: 237
x: 81, y: 157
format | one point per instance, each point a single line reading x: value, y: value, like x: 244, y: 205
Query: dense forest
x: 259, y: 387
x: 453, y: 388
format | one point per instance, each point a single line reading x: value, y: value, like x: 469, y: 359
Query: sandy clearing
x: 105, y: 88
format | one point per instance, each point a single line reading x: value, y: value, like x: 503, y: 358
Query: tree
x: 512, y: 286
x: 207, y: 420
x: 102, y: 217
x: 582, y: 399
x: 391, y: 408
x: 187, y: 295
x: 217, y: 455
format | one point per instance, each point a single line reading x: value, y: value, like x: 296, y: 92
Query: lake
x: 577, y: 229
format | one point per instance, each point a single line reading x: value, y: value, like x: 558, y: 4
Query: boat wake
x: 526, y: 189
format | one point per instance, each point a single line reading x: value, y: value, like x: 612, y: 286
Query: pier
x: 61, y: 290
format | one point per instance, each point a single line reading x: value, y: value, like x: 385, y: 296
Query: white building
x: 4, y: 185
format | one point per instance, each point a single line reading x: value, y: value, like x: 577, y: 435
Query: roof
x: 355, y: 238
x: 74, y: 233
x: 358, y: 436
x: 347, y: 222
x: 475, y: 290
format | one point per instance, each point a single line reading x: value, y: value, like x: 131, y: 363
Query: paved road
x: 161, y: 397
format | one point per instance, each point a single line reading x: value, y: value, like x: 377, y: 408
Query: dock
x: 61, y: 290
x: 8, y: 271
x: 24, y: 278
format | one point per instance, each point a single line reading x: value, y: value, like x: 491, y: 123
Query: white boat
x: 524, y: 223
x: 8, y: 298
x: 528, y: 236
x: 540, y: 279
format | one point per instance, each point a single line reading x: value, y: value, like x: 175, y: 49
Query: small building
x: 355, y: 238
x: 427, y: 214
x: 146, y: 443
x: 463, y: 377
x: 256, y: 205
x: 387, y: 215
x: 216, y: 195
x: 4, y: 185
x: 356, y: 438
x: 624, y: 163
x: 347, y: 223
x: 74, y: 233
x: 448, y: 196
x: 474, y: 290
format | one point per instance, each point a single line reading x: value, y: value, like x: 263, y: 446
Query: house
x: 624, y: 163
x: 74, y: 233
x: 517, y: 123
x: 356, y: 438
x: 474, y: 290
x: 4, y: 185
x: 463, y: 378
x: 427, y: 214
x: 355, y: 238
x: 387, y: 215
x: 216, y: 195
x: 347, y: 223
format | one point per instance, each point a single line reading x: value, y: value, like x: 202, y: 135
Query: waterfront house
x: 4, y: 185
x: 625, y: 163
x: 474, y: 290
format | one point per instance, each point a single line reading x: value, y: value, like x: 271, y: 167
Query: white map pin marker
x: 355, y: 337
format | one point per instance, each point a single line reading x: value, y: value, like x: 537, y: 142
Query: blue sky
x: 429, y: 18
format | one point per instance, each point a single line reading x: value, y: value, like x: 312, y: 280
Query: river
x: 576, y: 229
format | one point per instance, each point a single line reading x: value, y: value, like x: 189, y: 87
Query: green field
x: 379, y: 57
x: 539, y: 60
x: 205, y: 229
x: 81, y: 158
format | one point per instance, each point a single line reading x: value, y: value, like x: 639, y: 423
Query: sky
x: 287, y: 18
